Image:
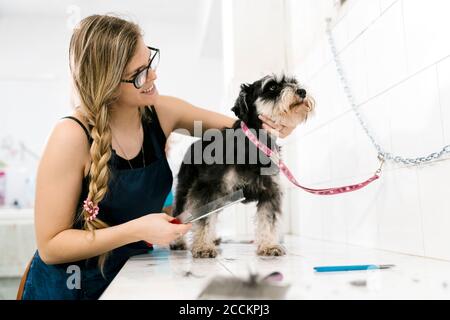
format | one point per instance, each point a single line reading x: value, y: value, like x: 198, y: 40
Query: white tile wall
x: 333, y: 100
x: 376, y: 114
x: 385, y: 48
x: 355, y: 55
x: 397, y: 61
x: 313, y: 157
x: 311, y: 218
x: 361, y: 214
x: 385, y: 4
x: 434, y: 192
x: 426, y: 32
x: 343, y: 146
x: 299, y: 153
x: 443, y: 70
x: 415, y: 112
x: 340, y: 33
x: 399, y: 212
x: 334, y: 222
x: 361, y: 15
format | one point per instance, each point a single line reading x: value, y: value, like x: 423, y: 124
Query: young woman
x: 103, y: 176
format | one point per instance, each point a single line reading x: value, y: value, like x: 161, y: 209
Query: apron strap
x: 159, y: 150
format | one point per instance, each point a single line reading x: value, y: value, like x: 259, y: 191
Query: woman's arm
x: 179, y: 114
x: 58, y: 188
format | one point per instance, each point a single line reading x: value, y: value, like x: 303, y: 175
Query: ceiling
x: 196, y: 21
x: 165, y: 10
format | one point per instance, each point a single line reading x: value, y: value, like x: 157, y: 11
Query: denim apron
x: 132, y: 193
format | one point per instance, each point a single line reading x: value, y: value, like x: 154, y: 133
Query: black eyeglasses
x: 140, y: 78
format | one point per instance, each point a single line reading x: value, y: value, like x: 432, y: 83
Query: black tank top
x: 149, y: 152
x: 117, y: 207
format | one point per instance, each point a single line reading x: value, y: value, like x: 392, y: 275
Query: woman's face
x: 129, y: 95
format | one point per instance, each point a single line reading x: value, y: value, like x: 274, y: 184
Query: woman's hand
x: 277, y: 130
x: 156, y: 228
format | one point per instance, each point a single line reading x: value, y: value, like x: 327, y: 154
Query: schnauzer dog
x: 279, y: 98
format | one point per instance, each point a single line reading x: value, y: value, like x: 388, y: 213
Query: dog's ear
x: 241, y: 108
x: 245, y: 87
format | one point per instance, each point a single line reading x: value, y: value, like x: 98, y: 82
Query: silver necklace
x: 142, y: 149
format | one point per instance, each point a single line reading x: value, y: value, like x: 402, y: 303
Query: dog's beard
x: 289, y: 109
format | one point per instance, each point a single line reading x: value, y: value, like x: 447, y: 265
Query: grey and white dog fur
x: 283, y: 100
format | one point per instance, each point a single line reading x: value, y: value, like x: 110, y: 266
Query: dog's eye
x: 273, y: 87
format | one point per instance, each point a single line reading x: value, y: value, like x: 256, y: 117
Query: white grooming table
x: 166, y: 274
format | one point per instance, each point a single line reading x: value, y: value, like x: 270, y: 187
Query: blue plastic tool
x: 353, y: 267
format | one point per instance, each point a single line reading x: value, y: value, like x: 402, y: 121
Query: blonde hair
x: 100, y: 49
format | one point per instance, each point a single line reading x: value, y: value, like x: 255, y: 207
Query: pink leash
x: 273, y: 155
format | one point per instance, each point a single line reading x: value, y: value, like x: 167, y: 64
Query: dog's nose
x: 301, y: 93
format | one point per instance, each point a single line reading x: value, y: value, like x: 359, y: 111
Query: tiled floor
x: 162, y: 274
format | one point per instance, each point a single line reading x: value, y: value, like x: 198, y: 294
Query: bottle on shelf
x: 2, y: 187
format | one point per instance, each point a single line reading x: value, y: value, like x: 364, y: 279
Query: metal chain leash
x: 382, y: 154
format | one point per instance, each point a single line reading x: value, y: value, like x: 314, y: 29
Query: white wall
x: 17, y: 241
x: 396, y: 57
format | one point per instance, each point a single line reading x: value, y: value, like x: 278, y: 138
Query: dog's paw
x: 271, y: 250
x: 204, y: 252
x: 179, y: 244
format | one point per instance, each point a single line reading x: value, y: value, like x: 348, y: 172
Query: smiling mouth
x: 149, y: 89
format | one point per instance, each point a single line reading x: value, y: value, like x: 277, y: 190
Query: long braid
x: 99, y: 174
x: 100, y: 49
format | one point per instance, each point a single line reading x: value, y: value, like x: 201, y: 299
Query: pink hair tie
x: 90, y: 208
